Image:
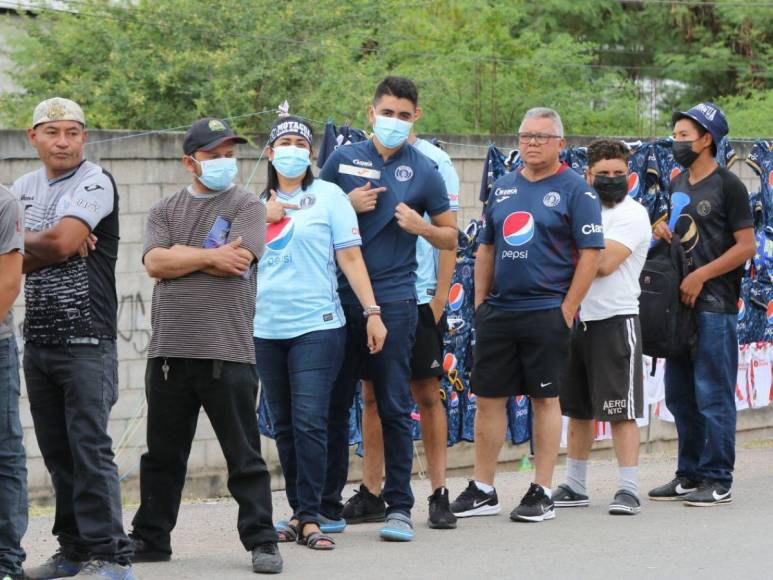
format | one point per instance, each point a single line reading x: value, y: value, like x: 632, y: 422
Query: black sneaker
x: 474, y: 502
x: 708, y: 494
x: 9, y: 576
x: 535, y: 506
x: 364, y: 507
x: 266, y: 559
x: 59, y: 565
x: 624, y: 504
x: 144, y: 552
x: 440, y: 515
x: 674, y: 490
x: 565, y: 496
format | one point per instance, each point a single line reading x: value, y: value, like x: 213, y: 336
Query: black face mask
x: 611, y: 190
x: 683, y: 153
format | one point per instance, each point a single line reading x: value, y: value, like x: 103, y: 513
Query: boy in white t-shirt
x: 605, y: 378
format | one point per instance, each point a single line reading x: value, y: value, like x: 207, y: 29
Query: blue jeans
x: 390, y: 372
x: 13, y: 466
x: 297, y: 375
x: 700, y: 393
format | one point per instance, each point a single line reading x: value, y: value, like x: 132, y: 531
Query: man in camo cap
x: 70, y: 359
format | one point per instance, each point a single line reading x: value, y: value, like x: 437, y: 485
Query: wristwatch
x: 371, y: 310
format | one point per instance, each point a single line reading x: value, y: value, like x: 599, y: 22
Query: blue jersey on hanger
x: 493, y: 169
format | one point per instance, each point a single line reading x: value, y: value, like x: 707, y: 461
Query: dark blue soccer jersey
x: 537, y: 229
x: 390, y: 252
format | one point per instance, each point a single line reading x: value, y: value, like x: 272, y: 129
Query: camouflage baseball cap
x: 58, y: 109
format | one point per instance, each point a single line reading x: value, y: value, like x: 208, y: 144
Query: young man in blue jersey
x: 539, y: 252
x: 391, y: 185
x: 433, y: 282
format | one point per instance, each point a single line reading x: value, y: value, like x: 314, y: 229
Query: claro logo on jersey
x: 589, y: 229
x: 517, y: 230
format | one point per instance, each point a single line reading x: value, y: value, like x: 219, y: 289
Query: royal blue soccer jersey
x: 389, y: 251
x: 537, y: 229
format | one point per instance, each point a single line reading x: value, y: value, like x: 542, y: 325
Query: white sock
x: 547, y: 491
x: 576, y: 474
x: 629, y: 479
x: 484, y: 487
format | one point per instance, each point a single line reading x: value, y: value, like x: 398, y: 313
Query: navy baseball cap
x: 708, y: 116
x: 207, y: 133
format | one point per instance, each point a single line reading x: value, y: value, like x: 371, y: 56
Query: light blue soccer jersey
x: 426, y: 255
x: 297, y: 285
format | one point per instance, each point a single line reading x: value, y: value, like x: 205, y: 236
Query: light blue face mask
x: 217, y: 174
x: 291, y: 161
x: 391, y: 132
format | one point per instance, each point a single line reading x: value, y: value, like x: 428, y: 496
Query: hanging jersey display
x: 333, y: 138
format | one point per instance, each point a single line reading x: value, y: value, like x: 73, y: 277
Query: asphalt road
x: 667, y: 540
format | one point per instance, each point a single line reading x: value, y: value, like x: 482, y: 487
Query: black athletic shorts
x: 519, y: 352
x: 605, y: 379
x: 427, y: 356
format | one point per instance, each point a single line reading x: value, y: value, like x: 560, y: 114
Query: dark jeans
x: 72, y: 389
x: 390, y: 371
x: 700, y: 393
x: 297, y: 375
x: 228, y: 393
x: 13, y: 466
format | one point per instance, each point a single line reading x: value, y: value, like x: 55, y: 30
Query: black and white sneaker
x: 565, y: 496
x: 474, y: 502
x: 674, y: 490
x: 624, y: 504
x: 708, y: 494
x: 535, y: 506
x: 440, y: 515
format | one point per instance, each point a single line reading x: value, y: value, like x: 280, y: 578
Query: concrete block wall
x: 145, y: 169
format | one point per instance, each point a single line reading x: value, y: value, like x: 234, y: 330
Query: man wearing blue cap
x: 717, y: 232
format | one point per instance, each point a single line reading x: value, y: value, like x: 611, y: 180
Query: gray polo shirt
x: 11, y: 239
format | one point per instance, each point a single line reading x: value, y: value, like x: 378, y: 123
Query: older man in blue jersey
x: 539, y: 252
x: 391, y: 186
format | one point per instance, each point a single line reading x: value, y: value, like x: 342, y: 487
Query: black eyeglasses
x: 538, y: 138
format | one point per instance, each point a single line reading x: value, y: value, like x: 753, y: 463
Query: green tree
x: 478, y: 63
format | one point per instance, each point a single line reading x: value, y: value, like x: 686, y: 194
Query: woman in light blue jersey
x: 299, y: 324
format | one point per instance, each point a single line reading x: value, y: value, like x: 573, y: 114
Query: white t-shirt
x: 627, y: 223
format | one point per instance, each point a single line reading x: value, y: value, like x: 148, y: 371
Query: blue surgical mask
x: 217, y: 174
x: 391, y: 132
x: 291, y: 161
